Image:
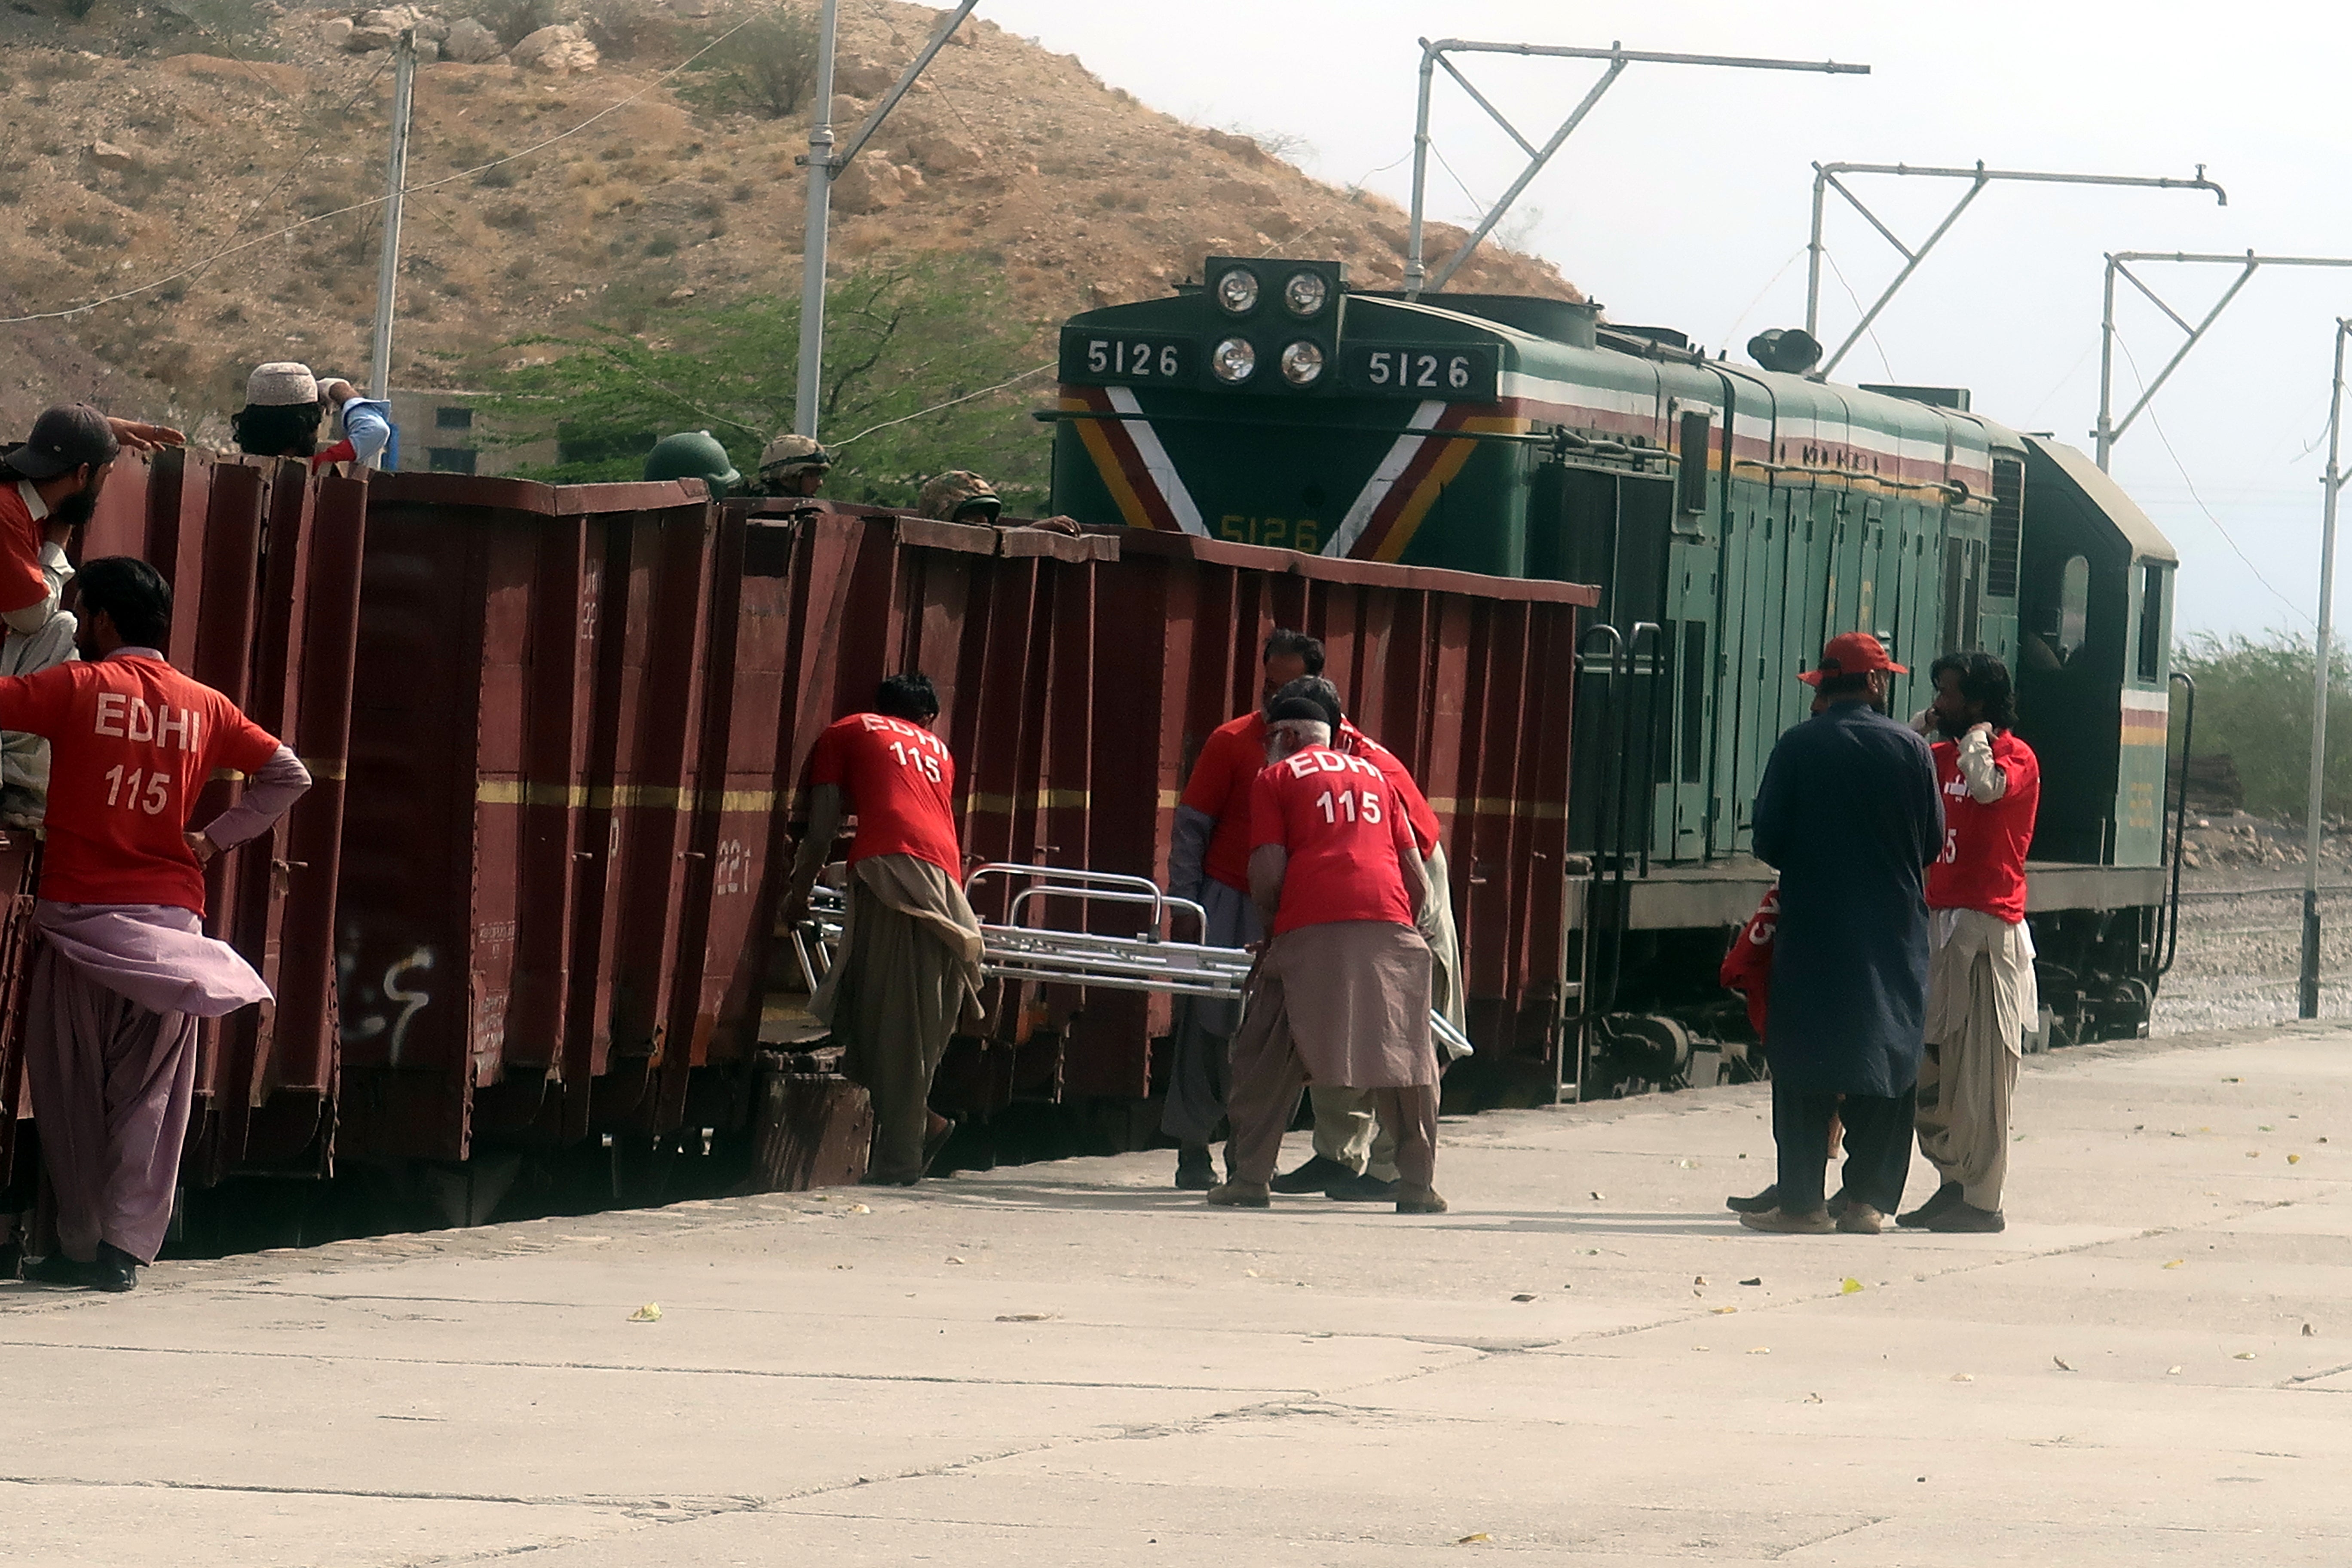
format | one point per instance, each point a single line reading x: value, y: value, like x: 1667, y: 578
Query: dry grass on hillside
x: 1022, y: 159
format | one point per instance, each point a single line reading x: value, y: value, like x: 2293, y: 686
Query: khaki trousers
x: 1980, y: 982
x: 1267, y: 1075
x: 1345, y: 1129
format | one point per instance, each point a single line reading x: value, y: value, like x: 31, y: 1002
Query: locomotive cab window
x: 2073, y: 605
x: 1690, y: 478
x: 2151, y: 623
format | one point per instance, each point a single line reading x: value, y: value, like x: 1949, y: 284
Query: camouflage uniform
x: 959, y: 492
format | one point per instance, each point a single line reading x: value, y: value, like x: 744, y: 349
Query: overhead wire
x: 155, y: 283
x: 1741, y: 320
x: 2158, y: 425
x: 1884, y: 362
x: 950, y: 402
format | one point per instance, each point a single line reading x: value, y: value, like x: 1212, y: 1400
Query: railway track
x: 2239, y: 951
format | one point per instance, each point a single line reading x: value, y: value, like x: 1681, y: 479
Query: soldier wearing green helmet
x: 693, y: 455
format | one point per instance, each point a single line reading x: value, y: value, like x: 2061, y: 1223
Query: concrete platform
x: 1587, y: 1361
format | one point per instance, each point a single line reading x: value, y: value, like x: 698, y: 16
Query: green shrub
x: 515, y: 20
x: 2253, y: 704
x: 769, y: 67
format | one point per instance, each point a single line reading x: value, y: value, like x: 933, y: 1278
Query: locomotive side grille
x: 2008, y: 521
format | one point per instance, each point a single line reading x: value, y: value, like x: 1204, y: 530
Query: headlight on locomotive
x: 1302, y: 363
x: 1234, y: 360
x: 1306, y: 295
x: 1237, y: 291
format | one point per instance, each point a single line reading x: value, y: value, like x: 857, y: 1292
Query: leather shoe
x: 1770, y: 1198
x: 1419, y: 1200
x: 1364, y: 1189
x: 1968, y: 1219
x: 57, y: 1269
x: 1780, y: 1222
x: 1240, y: 1196
x: 1315, y: 1176
x: 937, y: 1142
x: 1195, y: 1171
x: 1861, y: 1219
x: 115, y: 1270
x: 1946, y: 1196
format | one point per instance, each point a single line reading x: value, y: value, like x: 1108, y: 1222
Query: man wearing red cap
x: 1849, y: 815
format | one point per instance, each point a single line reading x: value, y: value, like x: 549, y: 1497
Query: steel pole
x: 395, y: 182
x: 2307, y: 996
x: 810, y: 386
x: 1814, y: 266
x: 1910, y: 266
x: 2105, y: 434
x: 1527, y: 176
x: 1415, y: 270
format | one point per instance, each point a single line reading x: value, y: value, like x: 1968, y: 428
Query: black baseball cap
x: 1306, y: 708
x: 65, y: 439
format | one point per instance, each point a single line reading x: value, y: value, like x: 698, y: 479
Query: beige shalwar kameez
x: 1345, y: 1001
x: 907, y: 979
x: 1346, y: 1130
x: 1981, y: 997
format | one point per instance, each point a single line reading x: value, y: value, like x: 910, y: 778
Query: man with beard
x: 1355, y: 1153
x: 1341, y: 991
x: 1981, y: 987
x: 58, y: 475
x: 282, y: 414
x: 1847, y: 811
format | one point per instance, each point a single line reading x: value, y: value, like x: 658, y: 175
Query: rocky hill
x: 138, y: 142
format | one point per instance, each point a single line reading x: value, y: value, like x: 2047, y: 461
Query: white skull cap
x: 283, y: 383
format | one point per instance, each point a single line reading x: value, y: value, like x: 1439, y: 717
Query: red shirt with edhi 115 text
x: 132, y: 743
x: 1339, y: 820
x: 899, y: 780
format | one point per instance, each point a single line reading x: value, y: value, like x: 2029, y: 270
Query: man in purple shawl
x: 122, y: 971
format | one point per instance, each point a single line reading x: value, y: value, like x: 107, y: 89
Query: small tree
x: 901, y: 338
x: 515, y: 20
x: 768, y: 68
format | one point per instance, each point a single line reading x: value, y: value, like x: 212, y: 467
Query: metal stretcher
x: 1152, y: 961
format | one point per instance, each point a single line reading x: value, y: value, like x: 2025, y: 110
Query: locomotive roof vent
x: 1569, y: 321
x: 1650, y: 342
x: 1792, y: 350
x: 1955, y: 398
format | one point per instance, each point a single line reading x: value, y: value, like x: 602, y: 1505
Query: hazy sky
x: 1684, y: 200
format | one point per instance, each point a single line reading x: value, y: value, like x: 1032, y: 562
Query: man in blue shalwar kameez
x: 1849, y: 815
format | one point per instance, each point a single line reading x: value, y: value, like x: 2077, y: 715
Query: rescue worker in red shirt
x: 1208, y: 862
x: 123, y: 973
x: 1982, y: 996
x: 1341, y: 993
x: 909, y: 971
x: 1355, y: 1153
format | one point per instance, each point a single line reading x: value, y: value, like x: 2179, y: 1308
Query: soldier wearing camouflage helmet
x: 792, y: 465
x: 960, y: 496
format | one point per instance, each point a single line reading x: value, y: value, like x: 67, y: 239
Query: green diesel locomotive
x: 1734, y: 516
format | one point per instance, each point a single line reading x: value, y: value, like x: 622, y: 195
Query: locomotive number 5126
x: 1098, y: 357
x: 1451, y: 374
